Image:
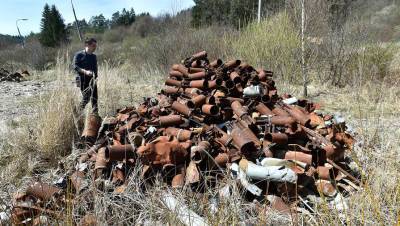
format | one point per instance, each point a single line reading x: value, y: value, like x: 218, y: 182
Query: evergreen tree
x: 98, y: 23
x: 46, y: 36
x: 230, y: 12
x: 53, y: 30
x: 125, y: 18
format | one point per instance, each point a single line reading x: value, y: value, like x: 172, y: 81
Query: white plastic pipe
x: 289, y: 101
x: 183, y: 213
x: 272, y: 173
x: 282, y: 162
x: 252, y: 91
x: 253, y: 189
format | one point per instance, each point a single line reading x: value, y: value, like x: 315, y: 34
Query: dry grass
x: 370, y: 109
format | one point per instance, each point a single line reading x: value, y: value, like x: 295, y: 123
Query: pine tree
x: 59, y: 28
x: 46, y: 37
x: 53, y: 30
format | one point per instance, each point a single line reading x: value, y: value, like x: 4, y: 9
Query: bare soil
x: 15, y: 98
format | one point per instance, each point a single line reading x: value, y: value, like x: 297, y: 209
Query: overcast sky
x: 11, y: 10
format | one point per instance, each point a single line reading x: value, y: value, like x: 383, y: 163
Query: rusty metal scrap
x: 212, y: 117
x: 5, y: 75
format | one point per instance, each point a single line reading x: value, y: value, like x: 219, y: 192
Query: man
x: 85, y: 65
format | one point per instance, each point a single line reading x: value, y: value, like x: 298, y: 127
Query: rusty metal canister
x: 175, y: 74
x: 325, y: 187
x: 216, y: 63
x: 179, y: 179
x: 173, y: 82
x: 200, y: 84
x: 196, y: 101
x: 242, y: 140
x: 277, y: 138
x: 197, y: 76
x: 195, y: 70
x: 263, y: 109
x: 119, y: 152
x: 279, y: 111
x: 181, y: 68
x: 170, y: 90
x: 101, y: 161
x: 210, y: 109
x: 92, y: 125
x: 297, y: 114
x: 212, y: 84
x: 235, y: 77
x: 198, y: 152
x: 77, y: 180
x: 232, y: 64
x: 42, y: 191
x: 238, y: 108
x: 299, y: 156
x: 181, y: 134
x: 170, y: 120
x: 181, y: 108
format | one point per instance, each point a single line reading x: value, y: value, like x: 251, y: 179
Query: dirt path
x: 14, y: 97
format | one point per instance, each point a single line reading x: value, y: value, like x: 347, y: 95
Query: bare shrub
x: 273, y: 44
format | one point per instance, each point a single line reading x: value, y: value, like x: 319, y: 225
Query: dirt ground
x: 15, y: 98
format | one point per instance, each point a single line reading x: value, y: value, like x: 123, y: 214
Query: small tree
x: 53, y: 30
x: 98, y: 23
x: 125, y: 18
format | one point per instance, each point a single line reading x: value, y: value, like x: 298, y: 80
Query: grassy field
x: 36, y: 145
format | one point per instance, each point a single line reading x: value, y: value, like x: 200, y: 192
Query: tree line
x: 233, y: 13
x: 54, y: 32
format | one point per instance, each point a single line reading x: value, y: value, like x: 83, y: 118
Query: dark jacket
x: 84, y: 60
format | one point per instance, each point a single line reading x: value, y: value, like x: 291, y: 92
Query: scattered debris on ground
x: 212, y: 120
x: 13, y: 77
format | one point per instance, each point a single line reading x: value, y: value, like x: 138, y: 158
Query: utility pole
x: 76, y: 22
x: 20, y: 36
x: 259, y: 12
x: 303, y: 62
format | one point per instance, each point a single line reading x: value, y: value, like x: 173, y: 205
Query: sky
x: 11, y: 10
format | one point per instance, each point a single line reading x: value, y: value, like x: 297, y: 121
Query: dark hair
x: 90, y: 41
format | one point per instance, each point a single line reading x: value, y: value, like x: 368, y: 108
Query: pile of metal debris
x: 5, y: 75
x: 212, y: 120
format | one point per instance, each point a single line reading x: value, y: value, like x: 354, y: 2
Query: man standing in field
x: 85, y: 65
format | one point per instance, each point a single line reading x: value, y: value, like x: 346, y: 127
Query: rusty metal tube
x: 197, y: 76
x: 170, y: 90
x: 216, y: 63
x: 198, y: 152
x: 176, y: 74
x: 297, y: 114
x: 173, y: 82
x: 264, y: 110
x: 200, y: 84
x: 196, y: 101
x: 181, y: 68
x: 277, y: 138
x: 299, y: 156
x: 170, y: 120
x: 210, y: 109
x: 181, y: 134
x: 101, y: 161
x: 92, y: 126
x: 42, y: 191
x: 119, y: 152
x: 232, y: 64
x: 212, y: 84
x: 235, y: 77
x: 181, y: 108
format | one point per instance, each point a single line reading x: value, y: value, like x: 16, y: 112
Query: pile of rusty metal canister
x: 5, y: 75
x: 213, y: 120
